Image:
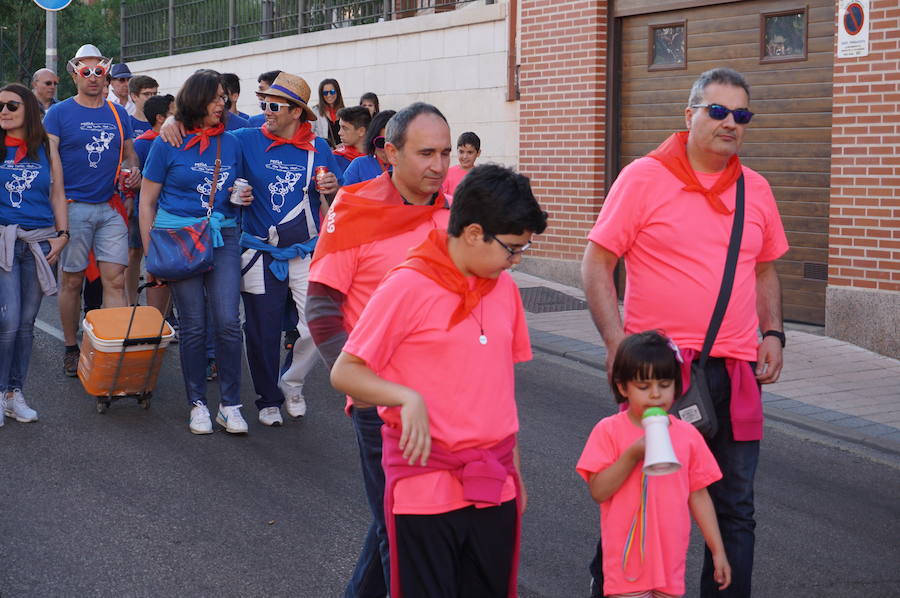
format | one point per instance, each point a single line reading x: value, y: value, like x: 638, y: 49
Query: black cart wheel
x: 102, y: 406
x: 144, y: 402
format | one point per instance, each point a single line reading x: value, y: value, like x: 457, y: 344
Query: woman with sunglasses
x: 33, y: 230
x: 368, y: 167
x: 330, y: 101
x: 178, y: 187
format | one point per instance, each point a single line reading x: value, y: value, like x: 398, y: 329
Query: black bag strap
x: 734, y: 248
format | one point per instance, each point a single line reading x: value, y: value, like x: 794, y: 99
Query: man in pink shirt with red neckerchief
x: 368, y: 230
x: 669, y: 214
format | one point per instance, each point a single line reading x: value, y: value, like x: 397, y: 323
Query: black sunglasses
x: 378, y: 142
x: 719, y: 112
x: 11, y: 105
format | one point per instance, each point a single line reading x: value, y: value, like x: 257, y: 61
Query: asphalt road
x: 131, y: 504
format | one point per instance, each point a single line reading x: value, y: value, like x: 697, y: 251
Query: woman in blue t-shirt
x: 181, y: 187
x: 366, y: 168
x: 33, y: 230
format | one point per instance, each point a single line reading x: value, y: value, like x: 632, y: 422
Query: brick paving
x: 827, y: 385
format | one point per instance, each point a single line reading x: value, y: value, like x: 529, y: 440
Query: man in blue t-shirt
x: 91, y: 136
x: 280, y: 229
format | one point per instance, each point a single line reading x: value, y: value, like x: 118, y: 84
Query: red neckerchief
x: 149, y: 134
x: 331, y: 113
x: 672, y: 153
x: 348, y: 151
x: 431, y: 258
x: 303, y: 137
x: 202, y: 136
x: 22, y: 150
x: 369, y: 211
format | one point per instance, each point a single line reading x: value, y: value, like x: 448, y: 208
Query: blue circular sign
x: 52, y: 4
x: 854, y: 17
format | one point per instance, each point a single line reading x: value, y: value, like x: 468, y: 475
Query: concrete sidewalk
x: 827, y: 385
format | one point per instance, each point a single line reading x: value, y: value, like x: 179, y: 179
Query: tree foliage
x: 23, y: 37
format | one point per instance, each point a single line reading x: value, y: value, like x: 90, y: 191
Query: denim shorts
x: 94, y: 226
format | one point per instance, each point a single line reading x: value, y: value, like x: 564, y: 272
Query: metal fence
x: 153, y: 28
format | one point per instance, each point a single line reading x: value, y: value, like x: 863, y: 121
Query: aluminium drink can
x: 239, y: 185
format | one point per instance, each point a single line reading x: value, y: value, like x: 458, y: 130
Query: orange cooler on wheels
x: 104, y: 345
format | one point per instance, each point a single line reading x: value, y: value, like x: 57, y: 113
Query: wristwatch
x: 777, y: 334
x: 61, y: 233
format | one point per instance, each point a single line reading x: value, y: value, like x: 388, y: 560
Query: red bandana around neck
x: 672, y: 153
x: 202, y: 136
x: 348, y: 151
x: 303, y: 138
x: 149, y: 134
x: 370, y: 211
x: 331, y: 113
x: 22, y: 150
x: 431, y: 258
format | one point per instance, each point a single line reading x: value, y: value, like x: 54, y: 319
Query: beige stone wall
x: 455, y: 60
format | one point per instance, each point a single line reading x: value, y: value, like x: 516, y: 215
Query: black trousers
x: 466, y: 553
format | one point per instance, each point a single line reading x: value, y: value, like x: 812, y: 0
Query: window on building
x: 667, y: 47
x: 783, y: 35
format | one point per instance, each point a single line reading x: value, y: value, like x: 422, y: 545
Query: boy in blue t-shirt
x: 91, y: 136
x: 141, y: 88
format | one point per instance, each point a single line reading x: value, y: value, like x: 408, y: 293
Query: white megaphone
x: 659, y: 456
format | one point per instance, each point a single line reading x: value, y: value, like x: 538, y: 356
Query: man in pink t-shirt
x: 435, y: 348
x: 670, y: 214
x: 369, y: 229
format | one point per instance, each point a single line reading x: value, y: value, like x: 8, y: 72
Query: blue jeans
x: 219, y: 289
x: 371, y: 577
x: 20, y: 300
x: 732, y: 496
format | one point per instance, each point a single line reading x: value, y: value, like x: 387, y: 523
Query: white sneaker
x: 294, y: 403
x: 270, y: 416
x: 230, y: 418
x: 18, y: 409
x: 200, y: 422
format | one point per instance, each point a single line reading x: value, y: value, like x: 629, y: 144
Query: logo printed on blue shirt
x: 20, y: 182
x: 99, y: 144
x: 205, y: 188
x: 292, y: 174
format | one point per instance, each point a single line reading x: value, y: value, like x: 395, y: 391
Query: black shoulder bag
x: 696, y: 406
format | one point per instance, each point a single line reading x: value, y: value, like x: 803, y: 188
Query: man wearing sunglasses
x: 670, y: 215
x: 44, y: 84
x: 92, y: 136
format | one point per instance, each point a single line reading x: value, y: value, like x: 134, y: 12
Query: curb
x: 595, y: 356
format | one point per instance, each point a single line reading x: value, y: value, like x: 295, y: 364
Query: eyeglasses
x: 11, y: 105
x: 329, y: 92
x: 51, y: 83
x: 512, y: 252
x: 97, y: 71
x: 719, y: 112
x: 379, y: 142
x: 221, y: 98
x: 273, y: 106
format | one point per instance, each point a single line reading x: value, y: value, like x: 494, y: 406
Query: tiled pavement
x: 827, y: 385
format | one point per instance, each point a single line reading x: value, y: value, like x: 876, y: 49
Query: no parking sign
x: 853, y: 28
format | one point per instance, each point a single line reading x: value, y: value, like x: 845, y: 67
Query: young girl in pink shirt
x: 645, y: 521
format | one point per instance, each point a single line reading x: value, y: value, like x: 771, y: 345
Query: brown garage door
x: 789, y: 141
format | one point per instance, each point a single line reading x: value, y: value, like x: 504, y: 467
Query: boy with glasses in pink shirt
x: 435, y: 349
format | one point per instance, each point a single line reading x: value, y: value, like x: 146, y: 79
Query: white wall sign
x: 853, y: 28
